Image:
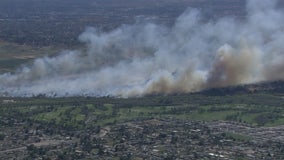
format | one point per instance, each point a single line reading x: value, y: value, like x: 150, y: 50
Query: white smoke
x: 140, y: 59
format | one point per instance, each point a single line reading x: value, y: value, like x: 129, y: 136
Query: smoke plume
x: 146, y: 58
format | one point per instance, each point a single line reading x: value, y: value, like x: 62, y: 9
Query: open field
x: 261, y: 109
x: 13, y: 55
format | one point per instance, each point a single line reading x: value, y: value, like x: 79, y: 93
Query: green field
x: 257, y: 109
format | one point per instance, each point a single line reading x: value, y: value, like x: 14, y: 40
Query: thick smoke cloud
x: 140, y: 59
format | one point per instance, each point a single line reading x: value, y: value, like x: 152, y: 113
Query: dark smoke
x: 140, y: 59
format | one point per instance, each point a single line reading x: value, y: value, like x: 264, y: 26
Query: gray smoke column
x: 140, y: 59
